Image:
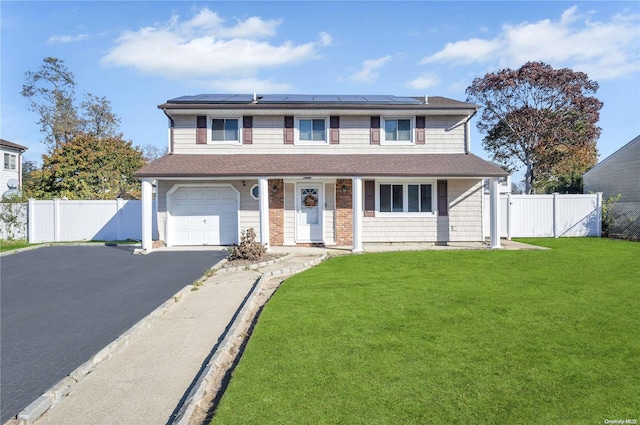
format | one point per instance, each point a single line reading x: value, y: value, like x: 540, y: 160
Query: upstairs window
x: 398, y: 130
x: 9, y: 161
x: 312, y: 130
x: 225, y: 130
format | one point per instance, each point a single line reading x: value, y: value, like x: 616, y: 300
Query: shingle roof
x: 334, y: 165
x: 285, y: 101
x: 12, y: 145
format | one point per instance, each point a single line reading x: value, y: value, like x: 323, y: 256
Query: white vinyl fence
x: 66, y: 221
x: 535, y: 216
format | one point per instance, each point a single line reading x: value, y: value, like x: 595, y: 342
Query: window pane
x: 6, y: 161
x: 385, y: 197
x: 13, y: 162
x: 414, y: 204
x: 231, y: 130
x: 397, y: 198
x: 390, y: 130
x: 425, y: 198
x: 305, y: 129
x: 404, y: 130
x: 318, y: 130
x: 217, y: 130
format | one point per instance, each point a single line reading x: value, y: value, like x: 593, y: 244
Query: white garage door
x: 204, y: 216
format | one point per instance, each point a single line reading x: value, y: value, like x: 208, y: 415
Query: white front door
x: 309, y: 202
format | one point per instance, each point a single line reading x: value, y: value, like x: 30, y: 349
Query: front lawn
x: 465, y: 337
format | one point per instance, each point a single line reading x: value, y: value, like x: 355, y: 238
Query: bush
x: 608, y: 218
x: 249, y: 248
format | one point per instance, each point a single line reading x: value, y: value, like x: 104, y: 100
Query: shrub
x: 248, y: 249
x: 608, y: 218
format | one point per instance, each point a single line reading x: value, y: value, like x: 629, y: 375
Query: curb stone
x: 49, y: 244
x: 196, y: 404
x: 219, y: 268
x: 55, y: 394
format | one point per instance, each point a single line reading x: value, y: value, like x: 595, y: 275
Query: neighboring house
x: 618, y: 174
x: 11, y: 173
x: 317, y: 170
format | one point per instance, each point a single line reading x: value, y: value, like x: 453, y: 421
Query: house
x: 317, y: 170
x: 11, y: 173
x: 618, y: 174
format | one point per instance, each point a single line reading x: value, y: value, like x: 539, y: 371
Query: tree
x: 28, y: 167
x: 539, y: 117
x: 51, y: 94
x: 98, y: 119
x: 87, y: 167
x: 152, y: 152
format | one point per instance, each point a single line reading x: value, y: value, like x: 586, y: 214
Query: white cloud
x: 204, y: 47
x: 367, y: 73
x: 58, y: 39
x: 423, y: 82
x: 601, y: 49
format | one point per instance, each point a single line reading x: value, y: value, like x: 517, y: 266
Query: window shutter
x: 247, y: 130
x: 420, y: 131
x: 334, y: 130
x: 442, y: 198
x: 375, y: 130
x: 288, y: 130
x: 201, y: 130
x: 369, y: 198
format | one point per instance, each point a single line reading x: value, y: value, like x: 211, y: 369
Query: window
x: 397, y: 130
x: 9, y: 161
x: 312, y: 130
x: 225, y: 130
x: 406, y: 198
x: 255, y: 191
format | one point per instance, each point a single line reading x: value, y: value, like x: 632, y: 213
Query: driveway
x: 61, y: 305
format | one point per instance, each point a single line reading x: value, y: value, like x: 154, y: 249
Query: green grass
x: 14, y: 244
x: 464, y: 337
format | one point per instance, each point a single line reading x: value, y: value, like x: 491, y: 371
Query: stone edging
x: 197, y: 402
x: 220, y: 267
x: 56, y: 393
x: 48, y: 244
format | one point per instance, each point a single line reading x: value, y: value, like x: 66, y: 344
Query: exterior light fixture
x: 344, y: 188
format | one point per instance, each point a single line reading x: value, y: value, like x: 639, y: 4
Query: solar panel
x: 214, y: 98
x: 298, y: 98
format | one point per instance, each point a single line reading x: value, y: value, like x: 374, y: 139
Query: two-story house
x: 316, y: 170
x: 11, y: 172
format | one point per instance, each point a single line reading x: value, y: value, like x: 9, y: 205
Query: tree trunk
x: 528, y: 177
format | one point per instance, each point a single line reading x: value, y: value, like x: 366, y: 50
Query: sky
x: 139, y: 54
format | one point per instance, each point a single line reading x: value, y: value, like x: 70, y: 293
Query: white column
x: 147, y: 214
x: 495, y: 213
x: 357, y: 213
x: 263, y: 188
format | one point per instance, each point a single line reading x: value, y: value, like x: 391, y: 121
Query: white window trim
x: 296, y: 130
x: 412, y: 131
x: 13, y: 158
x: 251, y: 192
x: 210, y: 119
x: 405, y: 198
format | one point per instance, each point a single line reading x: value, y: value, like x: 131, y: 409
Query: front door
x: 309, y: 213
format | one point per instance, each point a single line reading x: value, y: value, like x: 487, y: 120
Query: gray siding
x: 617, y: 174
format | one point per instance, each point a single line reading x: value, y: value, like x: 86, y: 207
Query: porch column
x: 147, y: 214
x: 494, y: 222
x: 357, y: 214
x: 263, y: 189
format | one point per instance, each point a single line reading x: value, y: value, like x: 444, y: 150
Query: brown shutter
x: 288, y: 130
x: 442, y: 198
x: 334, y: 130
x: 369, y: 198
x: 247, y: 130
x: 201, y: 130
x: 420, y: 132
x: 375, y: 130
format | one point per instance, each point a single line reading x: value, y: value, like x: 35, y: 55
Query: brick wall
x: 276, y: 212
x: 344, y: 213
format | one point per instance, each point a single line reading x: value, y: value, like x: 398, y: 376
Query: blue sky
x: 139, y: 54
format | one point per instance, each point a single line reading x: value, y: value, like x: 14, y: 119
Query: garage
x: 204, y: 215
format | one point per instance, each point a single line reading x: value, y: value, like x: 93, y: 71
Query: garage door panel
x: 207, y: 216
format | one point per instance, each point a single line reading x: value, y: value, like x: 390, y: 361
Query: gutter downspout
x: 170, y: 136
x: 467, y: 133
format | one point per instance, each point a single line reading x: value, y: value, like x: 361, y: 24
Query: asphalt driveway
x: 61, y: 305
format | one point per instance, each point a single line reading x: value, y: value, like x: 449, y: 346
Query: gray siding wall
x: 268, y: 135
x: 618, y: 174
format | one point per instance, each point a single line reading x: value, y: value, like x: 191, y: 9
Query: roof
x: 9, y: 144
x: 300, y: 101
x: 334, y: 165
x: 613, y: 155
